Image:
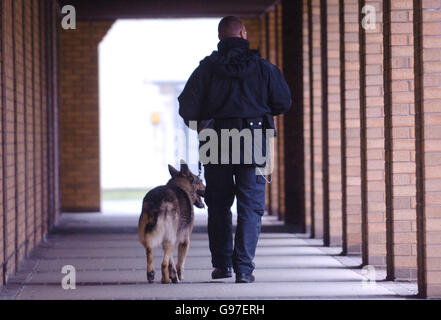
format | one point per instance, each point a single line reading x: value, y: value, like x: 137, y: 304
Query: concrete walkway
x: 111, y: 264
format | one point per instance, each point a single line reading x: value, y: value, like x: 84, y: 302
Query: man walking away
x: 238, y: 89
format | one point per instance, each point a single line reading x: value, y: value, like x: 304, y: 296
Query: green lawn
x: 123, y: 194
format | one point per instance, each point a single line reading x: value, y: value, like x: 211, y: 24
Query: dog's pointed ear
x: 173, y: 171
x: 184, y: 169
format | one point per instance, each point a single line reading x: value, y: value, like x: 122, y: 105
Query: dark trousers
x: 223, y: 183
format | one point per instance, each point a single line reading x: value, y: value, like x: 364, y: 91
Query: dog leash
x: 264, y: 176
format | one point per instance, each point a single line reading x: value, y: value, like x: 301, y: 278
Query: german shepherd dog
x: 167, y: 218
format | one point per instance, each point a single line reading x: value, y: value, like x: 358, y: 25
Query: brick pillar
x: 263, y: 38
x: 271, y: 39
x: 428, y: 69
x: 403, y: 140
x: 280, y: 120
x: 325, y: 118
x: 352, y: 123
x: 54, y: 116
x: 263, y: 48
x: 8, y: 150
x: 44, y: 118
x: 375, y: 133
x: 335, y: 177
x: 272, y: 57
x: 36, y: 100
x: 317, y: 221
x: 19, y: 132
x: 28, y: 124
x: 263, y: 52
x: 80, y: 169
x: 309, y: 192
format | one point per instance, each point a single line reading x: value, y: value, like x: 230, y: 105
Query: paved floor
x: 110, y: 264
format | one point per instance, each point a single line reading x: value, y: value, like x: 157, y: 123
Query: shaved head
x: 231, y: 27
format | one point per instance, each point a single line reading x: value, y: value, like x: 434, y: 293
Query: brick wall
x: 27, y: 212
x: 79, y: 112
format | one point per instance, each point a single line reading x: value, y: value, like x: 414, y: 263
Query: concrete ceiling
x: 130, y: 9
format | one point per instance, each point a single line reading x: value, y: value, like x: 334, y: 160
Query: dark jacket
x: 234, y: 82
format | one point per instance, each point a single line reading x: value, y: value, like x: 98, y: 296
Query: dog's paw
x: 172, y: 274
x: 151, y: 276
x: 165, y: 281
x: 181, y: 275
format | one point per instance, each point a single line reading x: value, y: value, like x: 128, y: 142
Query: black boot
x: 220, y: 273
x: 244, y: 278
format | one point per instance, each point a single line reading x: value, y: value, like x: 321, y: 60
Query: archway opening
x: 143, y: 66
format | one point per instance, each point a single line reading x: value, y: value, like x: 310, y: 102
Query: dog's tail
x: 152, y: 220
x: 151, y: 214
x: 159, y: 212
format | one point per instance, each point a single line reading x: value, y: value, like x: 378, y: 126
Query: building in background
x: 141, y: 131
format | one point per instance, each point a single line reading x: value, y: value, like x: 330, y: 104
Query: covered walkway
x: 357, y: 158
x: 110, y: 264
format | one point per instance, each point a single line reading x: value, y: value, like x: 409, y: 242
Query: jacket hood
x: 234, y: 59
